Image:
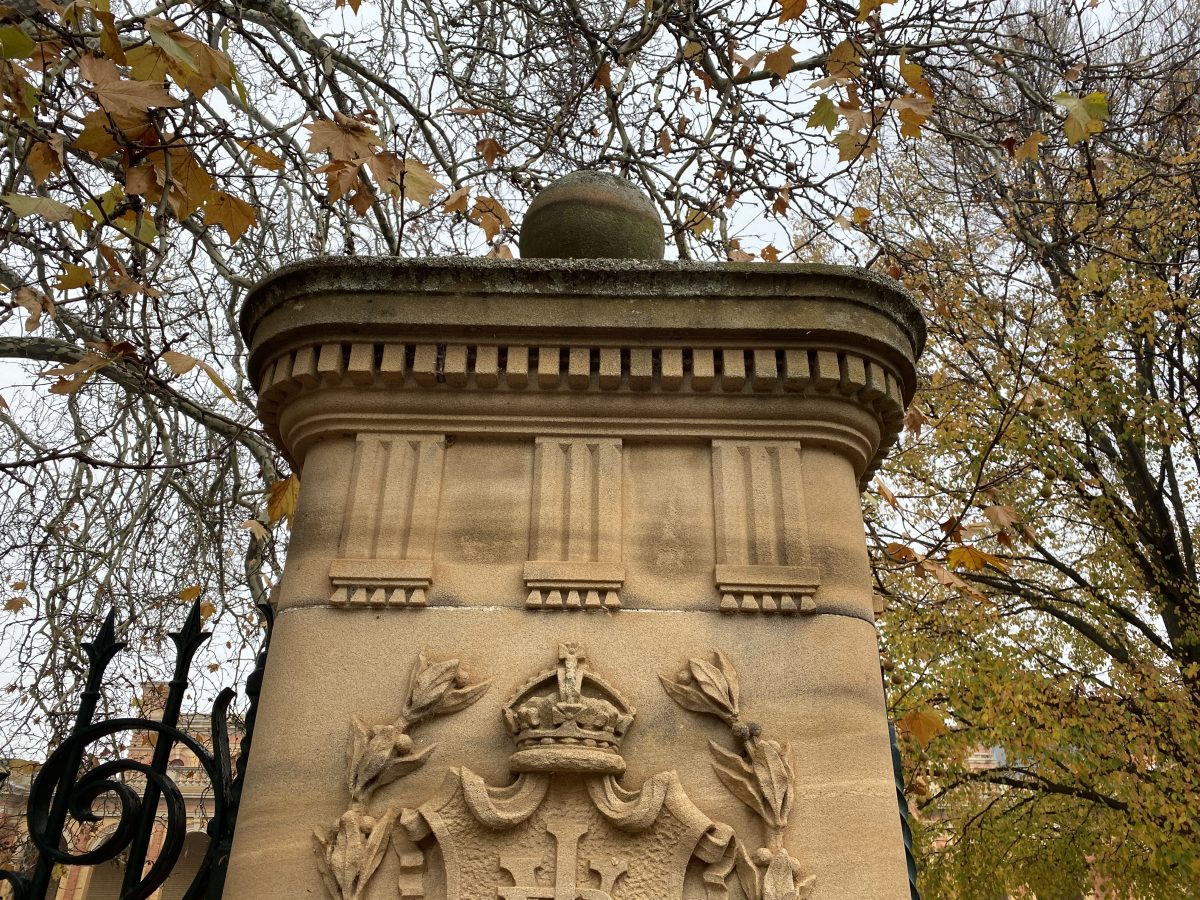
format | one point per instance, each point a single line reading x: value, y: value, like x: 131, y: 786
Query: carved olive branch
x: 350, y: 852
x: 761, y: 775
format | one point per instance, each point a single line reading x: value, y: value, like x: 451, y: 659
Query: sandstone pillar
x: 577, y: 603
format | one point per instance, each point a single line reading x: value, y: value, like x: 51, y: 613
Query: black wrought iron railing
x: 145, y: 796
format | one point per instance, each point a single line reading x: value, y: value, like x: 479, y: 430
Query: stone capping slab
x: 537, y: 281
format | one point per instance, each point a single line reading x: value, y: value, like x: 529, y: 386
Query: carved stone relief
x: 575, y: 526
x: 761, y: 528
x: 565, y: 828
x: 386, y: 553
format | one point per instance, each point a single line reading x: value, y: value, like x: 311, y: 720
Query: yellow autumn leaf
x: 975, y: 560
x: 791, y: 9
x: 924, y: 726
x: 866, y: 7
x: 1028, y: 148
x: 181, y: 364
x: 207, y: 608
x: 1085, y: 115
x: 189, y: 593
x: 824, y: 114
x: 698, y: 222
x: 73, y: 276
x: 50, y: 210
x: 281, y: 499
x: 779, y: 62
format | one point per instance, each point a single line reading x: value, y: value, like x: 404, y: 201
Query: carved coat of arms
x: 564, y: 829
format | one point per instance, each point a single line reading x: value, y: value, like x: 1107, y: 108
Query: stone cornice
x: 596, y: 297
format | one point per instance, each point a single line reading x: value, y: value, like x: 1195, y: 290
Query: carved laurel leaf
x: 689, y: 697
x: 349, y: 855
x: 738, y: 776
x: 773, y: 772
x: 322, y: 848
x: 749, y: 876
x: 725, y: 664
x: 461, y: 698
x: 712, y: 681
x: 375, y: 847
x: 779, y: 883
x: 401, y: 766
x: 429, y: 684
x: 374, y: 749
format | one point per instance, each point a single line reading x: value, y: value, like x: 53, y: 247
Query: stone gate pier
x: 577, y: 604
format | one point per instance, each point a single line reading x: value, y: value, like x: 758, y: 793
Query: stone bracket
x: 380, y: 582
x: 767, y: 589
x: 573, y: 585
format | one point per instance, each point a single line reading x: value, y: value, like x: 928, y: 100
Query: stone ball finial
x: 592, y: 215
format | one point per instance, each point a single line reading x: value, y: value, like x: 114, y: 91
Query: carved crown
x: 568, y: 720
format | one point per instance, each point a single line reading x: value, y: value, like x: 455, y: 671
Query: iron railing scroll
x: 144, y: 792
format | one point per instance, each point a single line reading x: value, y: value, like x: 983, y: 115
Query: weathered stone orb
x: 592, y: 215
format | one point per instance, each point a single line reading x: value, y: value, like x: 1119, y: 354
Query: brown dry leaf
x: 901, y: 552
x: 281, y: 499
x: 418, y: 184
x: 769, y: 253
x: 783, y: 197
x: 489, y: 215
x: 500, y: 251
x: 71, y: 378
x: 192, y: 63
x: 118, y: 95
x: 341, y: 175
x: 1074, y: 73
x: 924, y: 726
x: 231, y: 213
x: 35, y: 303
x: 256, y: 528
x: 16, y: 604
x: 207, y: 608
x: 664, y: 141
x: 4, y: 404
x: 1001, y: 516
x: 914, y: 420
x: 860, y: 216
x: 791, y: 9
x: 142, y: 180
x: 343, y: 138
x: 45, y: 159
x: 886, y: 493
x: 264, y: 159
x: 190, y: 593
x: 110, y: 41
x: 490, y: 150
x: 457, y: 202
x: 99, y: 132
x: 779, y: 62
x: 603, y: 77
x: 181, y: 364
x: 473, y: 111
x: 353, y: 4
